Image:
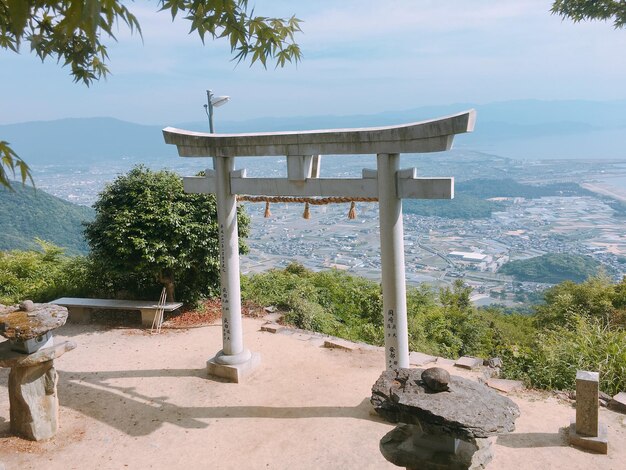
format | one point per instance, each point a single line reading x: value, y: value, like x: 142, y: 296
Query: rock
x: 407, y: 446
x: 489, y: 373
x: 618, y: 402
x: 27, y: 306
x: 442, y: 361
x: 340, y: 344
x: 420, y: 359
x: 271, y: 327
x: 436, y: 379
x: 604, y: 399
x: 504, y: 385
x: 20, y: 325
x: 495, y: 362
x: 34, y: 406
x: 467, y: 410
x: 468, y: 362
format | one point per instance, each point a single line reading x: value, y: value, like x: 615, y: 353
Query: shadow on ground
x: 136, y: 414
x: 534, y: 439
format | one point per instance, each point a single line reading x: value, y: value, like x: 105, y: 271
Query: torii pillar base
x: 234, y: 369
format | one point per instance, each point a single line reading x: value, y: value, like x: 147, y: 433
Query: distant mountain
x: 526, y: 129
x: 84, y: 140
x: 28, y: 213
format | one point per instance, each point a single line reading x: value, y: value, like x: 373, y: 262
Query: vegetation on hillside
x: 552, y: 268
x: 442, y: 322
x: 26, y: 214
x: 40, y: 275
x: 577, y: 326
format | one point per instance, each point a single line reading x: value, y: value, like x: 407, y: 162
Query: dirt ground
x: 130, y: 400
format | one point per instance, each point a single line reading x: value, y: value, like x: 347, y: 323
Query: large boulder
x: 467, y: 410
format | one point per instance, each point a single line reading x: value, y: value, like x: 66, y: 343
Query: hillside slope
x: 27, y: 213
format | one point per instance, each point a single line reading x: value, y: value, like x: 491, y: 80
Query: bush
x: 310, y: 316
x: 336, y: 303
x: 148, y: 234
x: 597, y: 298
x: 272, y: 287
x: 40, y: 276
x: 579, y: 323
x: 585, y: 344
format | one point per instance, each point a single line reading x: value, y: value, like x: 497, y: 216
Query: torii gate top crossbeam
x: 420, y: 137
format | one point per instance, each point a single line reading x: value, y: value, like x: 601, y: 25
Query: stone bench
x: 80, y: 309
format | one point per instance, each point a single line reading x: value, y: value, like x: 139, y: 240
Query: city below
x: 437, y: 250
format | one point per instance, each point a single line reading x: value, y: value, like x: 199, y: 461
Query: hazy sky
x: 360, y: 57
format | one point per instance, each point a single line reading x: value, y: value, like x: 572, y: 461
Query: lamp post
x: 213, y: 102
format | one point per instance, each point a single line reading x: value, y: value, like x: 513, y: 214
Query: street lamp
x: 213, y: 102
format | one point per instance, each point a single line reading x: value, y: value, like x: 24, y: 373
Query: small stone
x: 604, y: 398
x: 490, y: 373
x: 506, y: 386
x: 420, y: 359
x: 271, y: 327
x: 468, y: 362
x: 436, y: 379
x: 340, y: 344
x: 27, y: 306
x: 442, y: 361
x: 618, y: 402
x: 495, y: 362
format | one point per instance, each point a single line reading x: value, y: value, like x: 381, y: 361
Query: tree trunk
x: 168, y: 283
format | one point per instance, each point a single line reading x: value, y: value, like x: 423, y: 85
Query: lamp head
x: 217, y: 101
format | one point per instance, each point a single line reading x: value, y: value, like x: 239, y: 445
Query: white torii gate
x: 388, y: 183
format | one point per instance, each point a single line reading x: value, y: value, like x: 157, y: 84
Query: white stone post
x: 233, y: 359
x: 392, y: 263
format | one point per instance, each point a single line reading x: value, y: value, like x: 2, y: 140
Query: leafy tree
x: 584, y: 10
x: 149, y: 233
x: 71, y: 31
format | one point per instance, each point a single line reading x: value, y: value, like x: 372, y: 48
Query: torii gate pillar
x: 392, y: 262
x: 233, y: 361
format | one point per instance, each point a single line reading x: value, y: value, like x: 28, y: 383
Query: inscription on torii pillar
x: 387, y: 182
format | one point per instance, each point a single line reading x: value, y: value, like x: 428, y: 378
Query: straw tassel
x: 307, y: 211
x: 352, y: 213
x: 267, y: 210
